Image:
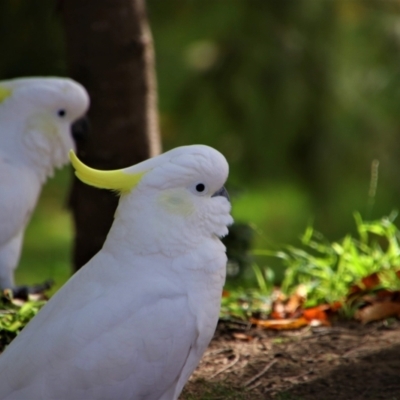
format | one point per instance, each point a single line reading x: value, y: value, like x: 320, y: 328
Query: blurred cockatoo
x: 133, y: 323
x: 37, y: 120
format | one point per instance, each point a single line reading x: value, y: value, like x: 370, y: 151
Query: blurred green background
x: 302, y: 96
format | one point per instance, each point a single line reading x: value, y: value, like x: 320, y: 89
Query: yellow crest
x: 4, y: 93
x: 119, y: 180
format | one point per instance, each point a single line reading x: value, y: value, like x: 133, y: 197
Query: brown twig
x: 230, y: 365
x: 250, y: 388
x: 261, y: 373
x: 217, y: 352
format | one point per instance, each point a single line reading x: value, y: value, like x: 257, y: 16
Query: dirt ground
x: 347, y: 361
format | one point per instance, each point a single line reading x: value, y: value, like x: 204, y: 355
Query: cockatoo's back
x: 134, y: 322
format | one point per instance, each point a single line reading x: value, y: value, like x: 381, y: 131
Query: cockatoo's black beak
x: 222, y: 192
x: 80, y: 128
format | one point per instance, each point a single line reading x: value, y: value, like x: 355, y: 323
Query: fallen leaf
x: 278, y: 311
x: 296, y: 300
x: 384, y: 294
x: 280, y: 324
x: 390, y: 295
x: 378, y: 311
x: 354, y: 290
x: 367, y: 283
x: 335, y: 306
x: 371, y: 281
x: 316, y: 313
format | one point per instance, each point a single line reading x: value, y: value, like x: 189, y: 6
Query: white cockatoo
x: 133, y: 323
x: 37, y: 116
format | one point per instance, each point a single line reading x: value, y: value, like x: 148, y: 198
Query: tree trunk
x: 110, y: 51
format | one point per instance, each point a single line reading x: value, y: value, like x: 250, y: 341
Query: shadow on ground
x: 375, y: 376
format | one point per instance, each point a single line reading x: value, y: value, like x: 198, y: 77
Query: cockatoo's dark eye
x: 200, y: 187
x: 61, y: 113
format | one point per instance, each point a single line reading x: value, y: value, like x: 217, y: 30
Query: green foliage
x: 238, y: 244
x: 301, y: 91
x: 243, y: 303
x: 274, y: 212
x: 328, y: 269
x: 13, y: 318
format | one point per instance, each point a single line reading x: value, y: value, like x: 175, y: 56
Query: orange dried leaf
x: 371, y: 281
x: 296, y: 300
x: 335, y: 306
x: 316, y: 313
x: 354, y: 289
x: 277, y: 315
x: 280, y: 324
x: 367, y: 283
x: 278, y: 311
x: 225, y: 293
x: 378, y: 311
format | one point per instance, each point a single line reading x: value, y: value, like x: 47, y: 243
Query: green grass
x: 328, y: 269
x: 14, y: 318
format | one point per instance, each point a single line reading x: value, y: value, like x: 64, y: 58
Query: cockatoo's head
x: 37, y: 116
x: 169, y: 203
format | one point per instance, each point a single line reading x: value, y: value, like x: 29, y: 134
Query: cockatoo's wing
x: 16, y: 189
x: 113, y: 340
x: 19, y: 191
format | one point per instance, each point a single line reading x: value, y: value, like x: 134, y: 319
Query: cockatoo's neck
x: 36, y: 148
x: 139, y: 218
x: 41, y: 167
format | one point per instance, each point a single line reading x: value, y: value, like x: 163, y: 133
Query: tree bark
x: 110, y: 51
